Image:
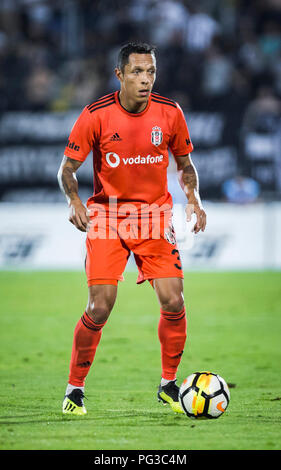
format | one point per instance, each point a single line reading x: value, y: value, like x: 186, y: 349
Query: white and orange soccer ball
x: 204, y: 395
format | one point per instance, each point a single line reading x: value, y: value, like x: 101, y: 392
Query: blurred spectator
x: 241, y: 190
x: 249, y: 53
x: 168, y: 18
x: 263, y: 113
x: 39, y: 88
x: 276, y: 74
x: 270, y: 40
x: 76, y: 84
x: 201, y: 29
x: 217, y: 72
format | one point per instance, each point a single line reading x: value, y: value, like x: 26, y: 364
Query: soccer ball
x: 204, y: 395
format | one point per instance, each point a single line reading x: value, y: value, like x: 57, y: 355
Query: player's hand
x: 201, y: 217
x: 79, y: 215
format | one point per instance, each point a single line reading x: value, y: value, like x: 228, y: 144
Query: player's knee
x: 173, y: 303
x: 100, y: 302
x: 99, y: 314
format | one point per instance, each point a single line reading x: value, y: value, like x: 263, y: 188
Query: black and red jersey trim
x: 168, y: 103
x: 103, y: 98
x: 102, y: 106
x: 109, y: 99
x: 101, y: 102
x: 160, y: 97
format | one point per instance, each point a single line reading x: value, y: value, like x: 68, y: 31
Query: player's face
x: 138, y: 77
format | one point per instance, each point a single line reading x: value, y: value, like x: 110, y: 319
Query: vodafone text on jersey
x: 113, y: 159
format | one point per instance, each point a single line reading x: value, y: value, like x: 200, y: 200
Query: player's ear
x: 118, y: 73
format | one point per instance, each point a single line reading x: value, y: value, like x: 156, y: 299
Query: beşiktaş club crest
x: 156, y: 135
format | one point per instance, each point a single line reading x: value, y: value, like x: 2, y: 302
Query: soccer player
x: 130, y: 133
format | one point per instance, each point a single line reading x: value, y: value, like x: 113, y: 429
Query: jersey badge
x: 156, y: 135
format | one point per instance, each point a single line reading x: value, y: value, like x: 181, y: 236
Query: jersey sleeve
x: 80, y: 141
x: 180, y: 142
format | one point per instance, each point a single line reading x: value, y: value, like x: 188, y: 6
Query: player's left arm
x: 189, y: 181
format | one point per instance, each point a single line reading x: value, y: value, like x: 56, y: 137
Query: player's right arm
x: 79, y: 145
x: 68, y: 183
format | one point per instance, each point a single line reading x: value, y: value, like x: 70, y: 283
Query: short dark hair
x: 133, y: 48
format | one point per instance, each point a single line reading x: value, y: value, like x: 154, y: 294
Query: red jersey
x: 130, y: 150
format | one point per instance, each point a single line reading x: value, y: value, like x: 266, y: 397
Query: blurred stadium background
x: 220, y: 59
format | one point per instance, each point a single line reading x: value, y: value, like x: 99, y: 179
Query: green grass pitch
x: 234, y: 326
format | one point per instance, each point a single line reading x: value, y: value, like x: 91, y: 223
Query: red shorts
x: 156, y: 256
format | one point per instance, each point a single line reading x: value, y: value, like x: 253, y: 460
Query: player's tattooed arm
x: 69, y: 186
x: 67, y: 178
x: 189, y: 181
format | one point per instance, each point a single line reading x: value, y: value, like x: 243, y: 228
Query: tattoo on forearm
x: 190, y: 177
x: 69, y: 182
